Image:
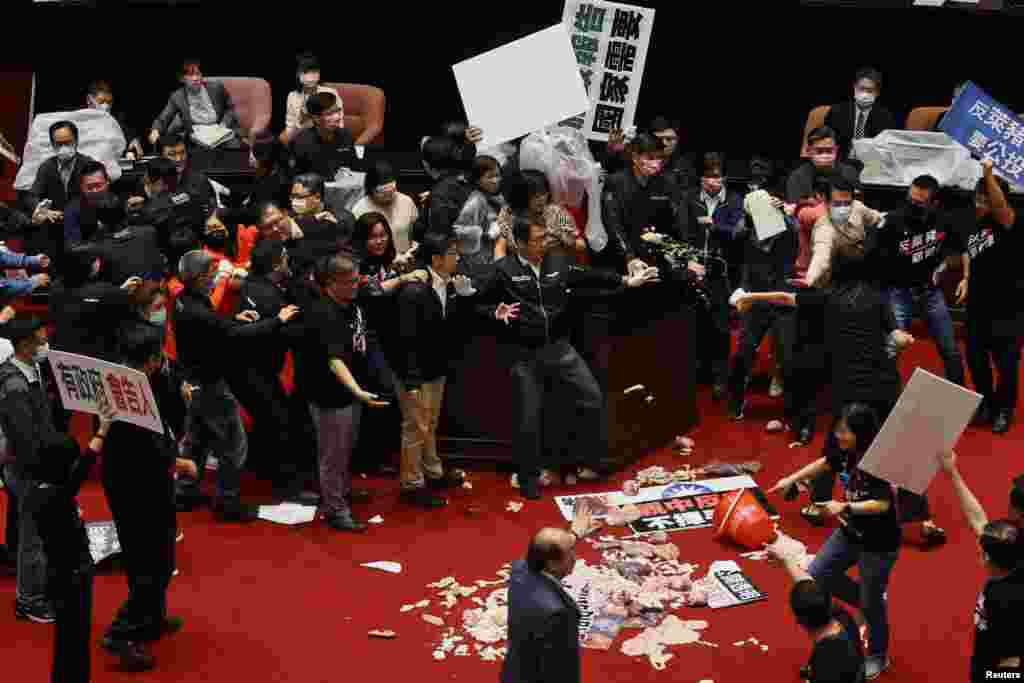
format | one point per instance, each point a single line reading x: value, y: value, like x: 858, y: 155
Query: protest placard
x: 730, y: 587
x: 989, y: 130
x: 928, y: 419
x: 610, y: 41
x: 86, y: 384
x: 521, y: 87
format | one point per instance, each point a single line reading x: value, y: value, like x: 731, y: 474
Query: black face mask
x: 917, y: 212
x: 215, y: 240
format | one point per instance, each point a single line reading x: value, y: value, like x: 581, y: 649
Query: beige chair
x: 815, y: 119
x: 364, y: 111
x: 924, y: 118
x: 253, y: 101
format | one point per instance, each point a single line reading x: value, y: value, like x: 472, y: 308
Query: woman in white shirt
x: 296, y: 117
x: 382, y: 196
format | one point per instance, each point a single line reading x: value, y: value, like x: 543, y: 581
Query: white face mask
x: 66, y: 152
x: 840, y: 214
x: 41, y: 353
x: 102, y: 106
x: 864, y: 99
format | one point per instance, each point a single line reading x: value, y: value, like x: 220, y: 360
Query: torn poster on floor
x: 681, y: 505
x: 729, y: 586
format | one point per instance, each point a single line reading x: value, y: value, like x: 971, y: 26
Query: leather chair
x: 253, y: 101
x: 364, y: 111
x: 924, y: 118
x: 815, y: 119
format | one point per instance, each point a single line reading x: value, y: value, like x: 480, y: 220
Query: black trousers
x: 555, y: 376
x: 141, y: 498
x: 278, y: 446
x: 994, y: 343
x: 756, y: 324
x: 912, y: 508
x: 805, y: 378
x: 713, y: 343
x: 69, y: 580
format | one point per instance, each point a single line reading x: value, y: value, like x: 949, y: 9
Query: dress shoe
x: 235, y: 511
x: 451, y: 479
x: 717, y: 392
x: 170, y: 626
x: 423, y: 498
x: 132, y: 657
x: 1001, y: 424
x: 342, y: 521
x: 530, y: 488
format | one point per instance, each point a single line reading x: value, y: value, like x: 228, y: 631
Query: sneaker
x: 776, y: 389
x: 212, y: 464
x: 39, y: 611
x: 874, y: 666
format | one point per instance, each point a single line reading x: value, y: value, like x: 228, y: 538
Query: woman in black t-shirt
x: 869, y: 535
x: 998, y: 647
x: 994, y: 308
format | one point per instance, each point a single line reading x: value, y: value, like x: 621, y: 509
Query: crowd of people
x: 277, y: 331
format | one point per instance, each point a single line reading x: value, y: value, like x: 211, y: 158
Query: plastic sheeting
x: 99, y: 136
x: 563, y: 155
x: 346, y: 190
x: 896, y: 157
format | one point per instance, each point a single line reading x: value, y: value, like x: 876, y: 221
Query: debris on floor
x: 513, y: 506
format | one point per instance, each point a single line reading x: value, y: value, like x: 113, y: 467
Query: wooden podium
x: 639, y: 337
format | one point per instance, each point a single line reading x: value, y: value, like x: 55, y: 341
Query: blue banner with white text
x: 989, y: 130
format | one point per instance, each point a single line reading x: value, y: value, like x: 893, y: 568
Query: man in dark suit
x: 197, y: 103
x: 543, y: 619
x: 57, y: 182
x: 860, y: 117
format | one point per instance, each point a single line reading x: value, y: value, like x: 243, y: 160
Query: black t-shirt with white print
x: 996, y: 281
x: 997, y: 627
x: 914, y: 248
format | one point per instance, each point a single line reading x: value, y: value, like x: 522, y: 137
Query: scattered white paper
x: 929, y: 419
x: 376, y: 520
x: 288, y: 513
x: 540, y: 85
x: 390, y: 567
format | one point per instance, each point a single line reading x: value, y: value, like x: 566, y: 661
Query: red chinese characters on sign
x: 129, y: 396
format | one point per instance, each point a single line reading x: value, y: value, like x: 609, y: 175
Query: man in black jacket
x: 426, y: 339
x: 277, y: 434
x: 26, y: 417
x: 861, y: 117
x: 637, y: 199
x: 822, y: 164
x: 529, y: 293
x: 206, y: 351
x: 196, y: 183
x: 58, y: 181
x: 169, y: 210
x: 446, y: 158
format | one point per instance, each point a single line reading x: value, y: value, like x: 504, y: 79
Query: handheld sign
x: 989, y: 130
x: 87, y: 384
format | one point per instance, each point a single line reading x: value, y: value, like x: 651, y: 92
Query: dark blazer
x: 543, y: 630
x: 48, y: 185
x: 177, y: 118
x: 423, y: 343
x: 841, y: 120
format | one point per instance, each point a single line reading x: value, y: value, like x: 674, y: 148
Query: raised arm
x: 969, y: 505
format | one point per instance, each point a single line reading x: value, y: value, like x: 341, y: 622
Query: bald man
x: 543, y: 620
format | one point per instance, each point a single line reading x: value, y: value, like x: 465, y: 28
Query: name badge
x: 180, y: 198
x: 659, y: 198
x: 521, y: 278
x: 554, y: 274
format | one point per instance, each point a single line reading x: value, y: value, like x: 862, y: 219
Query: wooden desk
x: 643, y: 336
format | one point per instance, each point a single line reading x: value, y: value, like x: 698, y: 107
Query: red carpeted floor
x: 269, y: 603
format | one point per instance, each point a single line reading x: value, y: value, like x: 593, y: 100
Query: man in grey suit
x: 197, y: 103
x: 543, y: 619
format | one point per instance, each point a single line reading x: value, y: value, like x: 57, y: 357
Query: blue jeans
x: 829, y: 569
x: 930, y: 303
x: 31, y: 582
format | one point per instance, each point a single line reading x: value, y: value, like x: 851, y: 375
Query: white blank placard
x: 928, y: 419
x: 522, y: 87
